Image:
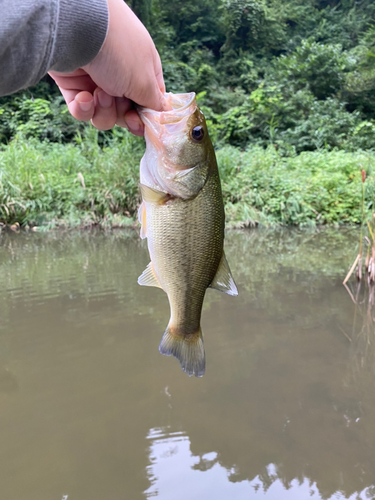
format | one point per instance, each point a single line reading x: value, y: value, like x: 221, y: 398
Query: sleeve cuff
x: 81, y: 30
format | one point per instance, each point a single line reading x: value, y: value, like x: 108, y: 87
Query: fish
x: 182, y: 217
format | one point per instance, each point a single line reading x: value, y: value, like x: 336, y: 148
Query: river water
x: 89, y: 409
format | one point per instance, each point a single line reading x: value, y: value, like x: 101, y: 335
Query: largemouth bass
x: 182, y: 216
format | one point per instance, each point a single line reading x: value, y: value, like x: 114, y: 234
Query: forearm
x: 39, y: 35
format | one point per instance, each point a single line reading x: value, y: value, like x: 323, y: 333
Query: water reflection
x: 286, y: 409
x: 361, y: 333
x: 176, y: 473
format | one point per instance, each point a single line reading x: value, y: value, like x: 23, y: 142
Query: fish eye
x: 197, y: 133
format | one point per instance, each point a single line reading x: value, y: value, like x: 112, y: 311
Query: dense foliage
x: 288, y: 90
x: 299, y: 74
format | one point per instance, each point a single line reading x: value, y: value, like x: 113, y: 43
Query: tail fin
x: 189, y: 351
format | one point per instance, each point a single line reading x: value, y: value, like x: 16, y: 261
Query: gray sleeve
x: 39, y: 35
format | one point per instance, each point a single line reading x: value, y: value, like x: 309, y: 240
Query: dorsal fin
x: 148, y: 277
x: 153, y: 195
x: 223, y: 280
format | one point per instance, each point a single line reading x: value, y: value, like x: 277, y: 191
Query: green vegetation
x: 68, y: 185
x: 86, y: 183
x: 320, y: 187
x: 288, y: 90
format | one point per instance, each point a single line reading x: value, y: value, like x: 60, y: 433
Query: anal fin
x: 223, y: 280
x: 148, y: 277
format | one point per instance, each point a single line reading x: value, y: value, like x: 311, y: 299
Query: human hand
x: 127, y: 70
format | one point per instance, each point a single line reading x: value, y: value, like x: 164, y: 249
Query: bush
x: 55, y: 184
x: 319, y: 67
x: 37, y: 118
x: 260, y: 186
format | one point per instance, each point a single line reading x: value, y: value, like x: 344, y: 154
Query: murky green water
x: 89, y: 410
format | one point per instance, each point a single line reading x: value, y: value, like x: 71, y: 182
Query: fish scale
x: 185, y: 242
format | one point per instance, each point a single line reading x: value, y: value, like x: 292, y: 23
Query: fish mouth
x: 159, y: 124
x: 166, y: 131
x: 183, y: 105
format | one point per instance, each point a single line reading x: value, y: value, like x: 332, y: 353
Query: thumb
x: 153, y: 95
x: 150, y: 96
x: 165, y: 105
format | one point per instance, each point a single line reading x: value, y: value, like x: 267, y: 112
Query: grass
x: 81, y: 184
x: 320, y: 187
x: 48, y: 185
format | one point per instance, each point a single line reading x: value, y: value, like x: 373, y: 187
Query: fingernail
x: 134, y: 126
x: 85, y: 105
x: 137, y: 129
x: 105, y: 100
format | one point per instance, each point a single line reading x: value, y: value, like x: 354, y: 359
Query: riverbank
x: 46, y: 185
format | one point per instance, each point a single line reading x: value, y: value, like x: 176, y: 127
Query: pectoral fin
x: 153, y: 195
x: 148, y: 277
x: 223, y: 280
x: 142, y: 220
